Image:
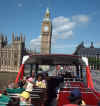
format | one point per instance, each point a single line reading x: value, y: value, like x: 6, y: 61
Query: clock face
x: 46, y: 28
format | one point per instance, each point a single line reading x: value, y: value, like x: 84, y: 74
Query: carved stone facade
x: 11, y: 54
x: 46, y: 34
x: 91, y: 51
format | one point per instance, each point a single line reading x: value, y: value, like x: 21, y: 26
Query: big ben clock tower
x: 46, y: 34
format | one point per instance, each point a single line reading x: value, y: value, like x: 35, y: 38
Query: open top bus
x: 63, y: 73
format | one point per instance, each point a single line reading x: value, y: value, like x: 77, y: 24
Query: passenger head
x: 20, y: 84
x: 30, y: 80
x: 33, y: 74
x: 24, y: 96
x: 13, y: 102
x: 98, y: 103
x: 39, y: 77
x: 4, y: 91
x: 75, y: 96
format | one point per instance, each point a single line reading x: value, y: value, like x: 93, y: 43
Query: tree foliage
x: 94, y: 61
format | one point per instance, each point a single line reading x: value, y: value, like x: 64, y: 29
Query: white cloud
x: 60, y: 20
x: 81, y: 18
x: 62, y: 28
x: 67, y: 35
x: 35, y: 43
x: 20, y: 5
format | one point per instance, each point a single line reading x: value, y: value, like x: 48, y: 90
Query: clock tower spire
x: 47, y: 14
x: 46, y: 33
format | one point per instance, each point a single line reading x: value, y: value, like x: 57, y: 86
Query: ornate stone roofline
x: 18, y: 38
x: 3, y: 38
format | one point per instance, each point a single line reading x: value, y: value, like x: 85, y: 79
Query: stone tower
x: 3, y: 40
x: 46, y: 34
x: 18, y: 45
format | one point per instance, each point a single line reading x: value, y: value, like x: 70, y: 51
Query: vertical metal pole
x: 31, y: 67
x: 77, y: 70
x: 36, y: 69
x: 81, y: 71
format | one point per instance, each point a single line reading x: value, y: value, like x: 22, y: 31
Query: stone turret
x: 17, y: 39
x: 21, y: 36
x: 3, y: 40
x: 81, y: 45
x: 18, y: 43
x: 92, y: 46
x: 47, y: 15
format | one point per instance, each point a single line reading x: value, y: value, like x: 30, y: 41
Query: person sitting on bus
x: 75, y: 98
x: 33, y: 76
x: 40, y: 83
x: 29, y: 86
x: 25, y: 98
x: 4, y: 99
x: 22, y: 82
x: 14, y: 102
x: 98, y: 103
x: 17, y: 88
x: 10, y: 84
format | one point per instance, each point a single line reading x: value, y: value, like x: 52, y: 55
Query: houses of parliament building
x: 11, y: 54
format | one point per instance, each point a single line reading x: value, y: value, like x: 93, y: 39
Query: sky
x: 73, y: 21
